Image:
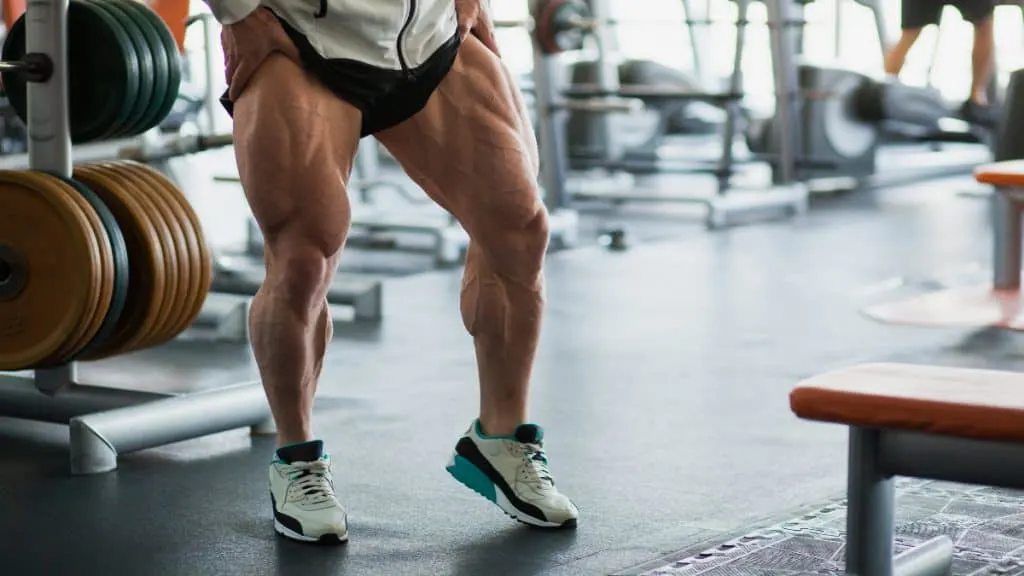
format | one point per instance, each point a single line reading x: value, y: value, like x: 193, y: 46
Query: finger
x: 486, y: 35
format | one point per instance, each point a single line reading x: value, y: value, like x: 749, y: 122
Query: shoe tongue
x: 302, y: 452
x: 529, y: 434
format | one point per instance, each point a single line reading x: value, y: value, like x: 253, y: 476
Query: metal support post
x: 697, y: 17
x: 550, y: 133
x: 870, y: 498
x: 49, y: 128
x: 607, y: 79
x: 732, y: 107
x: 211, y: 38
x: 870, y: 515
x: 554, y: 171
x: 787, y: 125
x: 1006, y: 241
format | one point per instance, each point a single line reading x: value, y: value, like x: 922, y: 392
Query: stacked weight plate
x: 111, y: 261
x: 124, y: 69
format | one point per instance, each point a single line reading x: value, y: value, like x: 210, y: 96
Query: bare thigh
x: 294, y: 144
x: 472, y: 148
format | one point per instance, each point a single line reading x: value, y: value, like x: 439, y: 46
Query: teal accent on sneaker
x: 523, y: 433
x: 464, y: 471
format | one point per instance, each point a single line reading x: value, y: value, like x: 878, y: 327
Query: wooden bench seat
x: 953, y: 424
x: 1007, y: 173
x: 967, y: 403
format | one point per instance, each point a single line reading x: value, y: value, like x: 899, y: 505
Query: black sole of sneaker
x: 327, y: 540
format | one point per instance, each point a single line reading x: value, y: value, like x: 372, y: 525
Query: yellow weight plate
x: 105, y: 267
x: 170, y: 259
x: 48, y: 277
x: 175, y: 252
x: 187, y: 245
x: 202, y: 257
x: 147, y: 278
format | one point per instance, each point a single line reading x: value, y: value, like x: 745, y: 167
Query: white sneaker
x: 305, y: 507
x: 512, y: 471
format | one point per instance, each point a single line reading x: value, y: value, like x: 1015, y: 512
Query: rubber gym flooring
x: 662, y: 381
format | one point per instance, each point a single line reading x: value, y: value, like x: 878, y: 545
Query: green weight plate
x: 161, y: 66
x: 121, y: 264
x: 145, y: 55
x: 173, y: 60
x: 103, y: 71
x: 131, y: 52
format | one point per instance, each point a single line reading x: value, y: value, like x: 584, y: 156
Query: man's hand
x: 474, y: 19
x: 248, y: 42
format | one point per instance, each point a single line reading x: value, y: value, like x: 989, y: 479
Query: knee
x: 516, y: 252
x: 299, y: 271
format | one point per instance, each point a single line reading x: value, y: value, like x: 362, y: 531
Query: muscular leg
x: 982, y: 59
x: 472, y: 149
x: 294, y: 143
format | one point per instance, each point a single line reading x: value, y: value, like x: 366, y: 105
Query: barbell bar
x: 34, y: 67
x: 591, y: 23
x: 600, y: 105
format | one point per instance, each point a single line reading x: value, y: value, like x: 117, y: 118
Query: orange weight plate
x: 48, y: 277
x: 169, y: 261
x: 104, y: 265
x: 175, y: 252
x: 147, y: 278
x: 199, y: 272
x: 205, y: 256
x: 183, y: 241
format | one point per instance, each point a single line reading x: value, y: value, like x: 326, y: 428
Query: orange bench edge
x: 854, y: 409
x: 1005, y: 173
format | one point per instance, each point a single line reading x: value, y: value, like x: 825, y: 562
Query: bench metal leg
x: 1006, y: 236
x: 870, y: 508
x: 871, y: 495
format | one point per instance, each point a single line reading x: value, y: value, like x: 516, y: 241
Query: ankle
x: 299, y: 437
x: 499, y: 426
x: 980, y: 99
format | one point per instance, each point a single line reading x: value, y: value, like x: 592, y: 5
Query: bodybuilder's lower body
x: 918, y: 14
x: 469, y: 144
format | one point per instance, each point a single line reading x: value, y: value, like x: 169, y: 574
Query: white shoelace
x: 312, y: 479
x: 536, y: 461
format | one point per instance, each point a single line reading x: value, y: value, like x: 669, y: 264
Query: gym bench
x: 996, y: 305
x: 952, y: 424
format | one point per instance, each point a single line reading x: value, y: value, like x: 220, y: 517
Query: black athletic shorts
x: 385, y: 97
x: 920, y: 13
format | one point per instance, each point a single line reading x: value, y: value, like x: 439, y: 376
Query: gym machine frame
x: 103, y: 422
x: 727, y: 205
